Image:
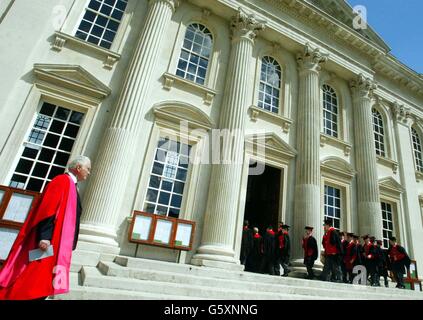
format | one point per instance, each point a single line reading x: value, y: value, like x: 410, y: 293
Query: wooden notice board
x: 15, y: 204
x: 412, y: 281
x: 162, y: 231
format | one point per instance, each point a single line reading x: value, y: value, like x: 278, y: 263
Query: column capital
x: 244, y: 25
x: 363, y: 86
x: 311, y: 59
x: 402, y: 114
x: 172, y: 3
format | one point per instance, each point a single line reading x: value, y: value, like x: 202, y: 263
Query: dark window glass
x: 24, y: 166
x: 46, y: 155
x: 35, y: 184
x: 40, y: 170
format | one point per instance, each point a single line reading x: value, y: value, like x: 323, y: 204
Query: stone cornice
x: 312, y: 15
x: 390, y: 67
x: 245, y: 25
x: 311, y: 59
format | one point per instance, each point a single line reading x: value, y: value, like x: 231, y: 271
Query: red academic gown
x: 23, y: 280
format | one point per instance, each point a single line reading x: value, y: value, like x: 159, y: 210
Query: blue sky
x: 400, y: 25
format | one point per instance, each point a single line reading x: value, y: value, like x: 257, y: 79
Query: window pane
x: 48, y: 147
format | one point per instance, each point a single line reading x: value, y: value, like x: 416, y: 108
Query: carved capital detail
x: 401, y: 113
x: 311, y: 59
x: 363, y: 87
x: 244, y: 25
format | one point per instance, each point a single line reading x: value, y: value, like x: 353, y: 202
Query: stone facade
x: 131, y: 96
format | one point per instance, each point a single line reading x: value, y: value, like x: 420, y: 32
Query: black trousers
x: 331, y: 269
x: 309, y: 263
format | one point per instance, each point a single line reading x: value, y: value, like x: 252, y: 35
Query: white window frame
x: 386, y: 221
x: 417, y: 149
x: 261, y: 103
x: 379, y: 132
x: 35, y: 161
x: 192, y: 53
x: 328, y: 90
x: 159, y: 153
x: 340, y: 207
x: 98, y: 13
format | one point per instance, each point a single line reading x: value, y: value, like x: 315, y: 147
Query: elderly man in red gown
x: 53, y: 222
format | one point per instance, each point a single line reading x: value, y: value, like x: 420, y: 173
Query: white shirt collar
x: 72, y: 176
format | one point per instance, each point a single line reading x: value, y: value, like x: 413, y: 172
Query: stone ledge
x: 388, y: 163
x: 110, y: 57
x: 259, y: 113
x: 335, y: 142
x: 169, y: 81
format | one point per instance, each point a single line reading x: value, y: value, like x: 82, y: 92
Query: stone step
x: 175, y: 268
x: 253, y: 285
x: 92, y: 277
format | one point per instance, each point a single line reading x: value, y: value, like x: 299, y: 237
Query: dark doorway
x: 262, y: 201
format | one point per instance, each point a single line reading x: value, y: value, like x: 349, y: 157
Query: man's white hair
x: 78, y: 160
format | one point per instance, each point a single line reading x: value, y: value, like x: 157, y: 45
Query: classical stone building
x: 335, y: 118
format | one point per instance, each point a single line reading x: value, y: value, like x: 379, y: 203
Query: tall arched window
x: 417, y: 147
x: 378, y: 133
x: 270, y: 84
x: 195, y: 53
x: 330, y: 111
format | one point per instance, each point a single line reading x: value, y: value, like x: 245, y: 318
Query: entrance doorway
x: 263, y: 199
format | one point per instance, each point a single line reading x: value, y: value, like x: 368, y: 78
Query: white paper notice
x: 18, y: 207
x: 7, y: 238
x: 183, y: 234
x: 163, y: 231
x: 141, y: 227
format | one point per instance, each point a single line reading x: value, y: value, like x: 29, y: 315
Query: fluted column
x: 369, y: 211
x: 222, y: 206
x: 307, y: 188
x: 106, y: 189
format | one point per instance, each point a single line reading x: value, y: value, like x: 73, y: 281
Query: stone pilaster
x: 307, y: 188
x: 106, y: 189
x: 369, y: 210
x: 409, y: 221
x: 217, y: 243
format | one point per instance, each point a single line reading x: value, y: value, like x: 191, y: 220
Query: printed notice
x: 163, y: 231
x: 142, y: 227
x: 183, y: 234
x: 18, y: 207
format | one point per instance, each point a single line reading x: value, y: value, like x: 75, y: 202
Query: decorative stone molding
x: 363, y: 87
x: 338, y: 143
x: 276, y: 148
x: 421, y: 200
x: 400, y: 113
x: 388, y: 163
x: 310, y: 59
x: 169, y: 81
x: 337, y: 167
x: 244, y: 25
x: 176, y: 111
x: 389, y: 186
x: 259, y: 113
x: 109, y: 57
x: 73, y: 78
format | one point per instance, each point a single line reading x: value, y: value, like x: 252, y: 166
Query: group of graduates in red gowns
x: 344, y: 251
x: 267, y: 253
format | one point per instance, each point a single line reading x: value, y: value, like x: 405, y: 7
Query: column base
x: 98, y: 235
x: 216, y: 256
x: 217, y: 264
